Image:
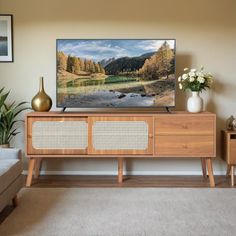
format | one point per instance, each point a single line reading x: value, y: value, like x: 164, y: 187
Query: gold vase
x: 41, y: 101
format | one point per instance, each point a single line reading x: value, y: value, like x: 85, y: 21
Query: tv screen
x: 115, y: 73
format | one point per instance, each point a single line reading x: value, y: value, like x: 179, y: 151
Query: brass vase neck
x: 41, y: 85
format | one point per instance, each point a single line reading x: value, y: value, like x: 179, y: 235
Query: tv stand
x: 63, y: 109
x: 120, y: 135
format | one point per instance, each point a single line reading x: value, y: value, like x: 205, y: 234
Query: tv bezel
x: 140, y: 108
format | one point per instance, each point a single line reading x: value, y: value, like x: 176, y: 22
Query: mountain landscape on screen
x: 115, y: 73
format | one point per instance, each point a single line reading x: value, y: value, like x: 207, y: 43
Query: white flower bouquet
x: 195, y: 80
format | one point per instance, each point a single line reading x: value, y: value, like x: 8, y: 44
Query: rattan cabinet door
x: 121, y: 135
x: 51, y: 135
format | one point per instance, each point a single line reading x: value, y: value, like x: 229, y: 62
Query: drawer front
x: 184, y: 125
x: 184, y: 146
x: 232, y: 154
x: 57, y: 136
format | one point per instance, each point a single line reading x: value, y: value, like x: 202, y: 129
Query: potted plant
x: 196, y: 81
x: 8, y: 118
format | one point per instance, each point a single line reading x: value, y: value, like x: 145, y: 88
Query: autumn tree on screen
x: 160, y: 65
x: 61, y: 61
x: 76, y: 65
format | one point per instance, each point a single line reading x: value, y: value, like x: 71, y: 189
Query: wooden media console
x: 120, y: 135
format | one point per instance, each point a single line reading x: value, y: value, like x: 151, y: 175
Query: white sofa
x: 11, y: 180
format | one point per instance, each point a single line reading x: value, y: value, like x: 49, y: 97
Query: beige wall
x: 205, y: 33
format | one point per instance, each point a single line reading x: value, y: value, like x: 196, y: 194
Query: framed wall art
x: 6, y: 38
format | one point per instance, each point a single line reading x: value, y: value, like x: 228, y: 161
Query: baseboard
x: 125, y: 172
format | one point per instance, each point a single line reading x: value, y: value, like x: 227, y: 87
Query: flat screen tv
x: 115, y: 73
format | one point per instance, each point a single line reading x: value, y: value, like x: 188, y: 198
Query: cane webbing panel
x: 120, y: 135
x: 60, y: 134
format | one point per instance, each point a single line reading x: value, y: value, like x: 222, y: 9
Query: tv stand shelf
x: 120, y: 135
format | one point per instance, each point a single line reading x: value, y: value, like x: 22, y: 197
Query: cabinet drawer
x: 184, y: 146
x: 185, y: 125
x: 232, y: 159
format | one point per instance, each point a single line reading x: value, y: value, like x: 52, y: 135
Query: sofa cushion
x: 10, y: 169
x: 10, y: 153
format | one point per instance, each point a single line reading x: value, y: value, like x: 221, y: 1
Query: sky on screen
x: 105, y: 49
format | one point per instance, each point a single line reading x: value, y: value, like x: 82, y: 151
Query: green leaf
x: 8, y: 115
x: 3, y: 98
x: 22, y: 109
x: 20, y: 104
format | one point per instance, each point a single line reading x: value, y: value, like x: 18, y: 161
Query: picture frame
x: 6, y: 38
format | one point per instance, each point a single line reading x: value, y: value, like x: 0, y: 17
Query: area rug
x: 122, y: 212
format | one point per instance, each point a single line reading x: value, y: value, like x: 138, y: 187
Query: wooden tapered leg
x: 15, y: 201
x: 120, y: 170
x: 30, y: 172
x: 204, y: 172
x: 232, y: 175
x: 228, y: 170
x: 210, y: 172
x: 37, y: 167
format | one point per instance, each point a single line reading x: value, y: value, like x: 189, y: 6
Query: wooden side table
x: 229, y: 151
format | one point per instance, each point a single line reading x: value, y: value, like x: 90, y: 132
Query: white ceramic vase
x: 194, y: 103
